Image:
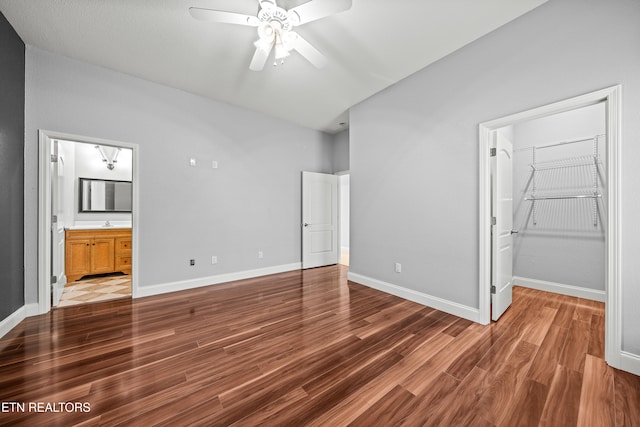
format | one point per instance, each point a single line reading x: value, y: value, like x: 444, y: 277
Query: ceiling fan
x: 275, y: 28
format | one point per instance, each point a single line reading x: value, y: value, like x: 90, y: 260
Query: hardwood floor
x: 309, y: 348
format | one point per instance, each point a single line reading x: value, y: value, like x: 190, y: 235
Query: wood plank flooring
x: 310, y: 348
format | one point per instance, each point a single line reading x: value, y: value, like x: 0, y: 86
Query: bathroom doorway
x: 87, y: 220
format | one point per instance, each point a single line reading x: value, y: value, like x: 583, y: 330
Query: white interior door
x: 58, y: 278
x: 319, y: 219
x: 502, y: 241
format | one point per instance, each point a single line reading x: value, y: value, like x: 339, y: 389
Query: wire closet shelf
x: 588, y: 191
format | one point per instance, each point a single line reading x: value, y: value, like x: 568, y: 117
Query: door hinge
x: 492, y: 152
x: 54, y: 279
x: 493, y: 289
x: 54, y: 219
x: 54, y: 158
x: 493, y: 220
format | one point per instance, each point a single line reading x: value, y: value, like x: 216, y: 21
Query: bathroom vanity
x: 97, y: 251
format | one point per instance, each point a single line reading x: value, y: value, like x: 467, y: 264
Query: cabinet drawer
x: 123, y: 261
x: 123, y: 245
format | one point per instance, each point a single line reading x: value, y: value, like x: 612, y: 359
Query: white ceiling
x: 371, y: 46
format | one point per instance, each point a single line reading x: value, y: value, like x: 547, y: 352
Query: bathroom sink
x: 96, y: 226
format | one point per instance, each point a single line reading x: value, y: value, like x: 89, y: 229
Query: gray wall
x: 250, y: 203
x: 341, y: 151
x: 414, y: 146
x: 11, y: 169
x: 563, y: 245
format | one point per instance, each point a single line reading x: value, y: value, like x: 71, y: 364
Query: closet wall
x: 561, y: 240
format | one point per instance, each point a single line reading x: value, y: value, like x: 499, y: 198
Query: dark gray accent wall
x: 11, y: 170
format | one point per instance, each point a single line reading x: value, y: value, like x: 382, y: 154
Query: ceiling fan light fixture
x: 293, y: 18
x: 267, y: 4
x: 275, y: 28
x: 281, y: 51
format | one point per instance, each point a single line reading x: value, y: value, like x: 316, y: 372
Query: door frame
x: 612, y: 96
x: 340, y: 231
x: 44, y: 209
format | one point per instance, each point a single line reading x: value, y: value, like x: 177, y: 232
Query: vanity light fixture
x: 110, y: 163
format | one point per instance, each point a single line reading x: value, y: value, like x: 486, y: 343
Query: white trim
x: 629, y: 362
x: 16, y: 317
x: 560, y: 288
x: 613, y: 309
x: 31, y: 309
x: 162, y: 288
x: 340, y: 207
x: 12, y: 321
x: 44, y: 222
x: 44, y: 209
x: 59, y: 289
x: 613, y: 305
x: 456, y: 309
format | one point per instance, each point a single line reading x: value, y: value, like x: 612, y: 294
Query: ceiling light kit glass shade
x: 274, y: 32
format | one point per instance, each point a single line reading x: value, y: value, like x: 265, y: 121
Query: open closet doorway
x: 87, y: 215
x: 565, y: 193
x: 559, y: 210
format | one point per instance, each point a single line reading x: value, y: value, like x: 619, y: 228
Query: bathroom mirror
x: 101, y: 195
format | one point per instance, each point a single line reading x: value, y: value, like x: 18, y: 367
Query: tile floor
x: 96, y: 288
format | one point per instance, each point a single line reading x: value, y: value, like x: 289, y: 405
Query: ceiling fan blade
x: 260, y: 58
x: 305, y: 49
x: 224, y: 17
x: 317, y: 9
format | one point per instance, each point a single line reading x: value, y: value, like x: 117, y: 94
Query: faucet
x: 107, y: 224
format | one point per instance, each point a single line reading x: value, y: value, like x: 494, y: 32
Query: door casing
x: 44, y: 209
x: 613, y: 306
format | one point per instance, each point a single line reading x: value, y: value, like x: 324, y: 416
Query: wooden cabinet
x: 123, y: 254
x: 97, y: 251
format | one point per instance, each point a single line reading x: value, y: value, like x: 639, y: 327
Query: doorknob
x: 306, y: 224
x: 514, y: 231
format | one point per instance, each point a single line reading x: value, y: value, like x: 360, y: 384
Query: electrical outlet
x: 214, y: 259
x: 398, y: 267
x: 192, y: 262
x: 192, y: 161
x: 260, y: 255
x: 214, y: 164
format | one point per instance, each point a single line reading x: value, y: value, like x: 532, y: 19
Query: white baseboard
x: 450, y: 307
x: 162, y: 288
x: 32, y: 309
x: 629, y: 362
x: 12, y: 321
x: 59, y: 289
x: 560, y: 288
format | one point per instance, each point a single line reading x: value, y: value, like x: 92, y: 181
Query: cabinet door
x: 78, y: 258
x: 102, y: 255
